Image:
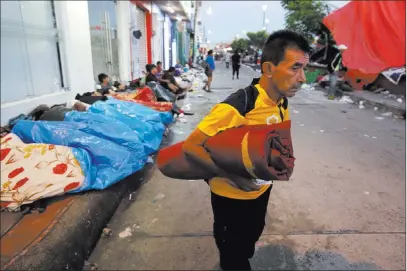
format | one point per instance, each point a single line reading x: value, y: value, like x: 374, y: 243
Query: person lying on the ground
x: 105, y: 86
x: 239, y: 215
x: 57, y: 112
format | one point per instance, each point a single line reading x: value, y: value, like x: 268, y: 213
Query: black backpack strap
x: 251, y: 94
x: 243, y: 100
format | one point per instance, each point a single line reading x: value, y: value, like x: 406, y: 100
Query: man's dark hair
x: 159, y: 63
x: 277, y: 43
x: 210, y: 52
x: 149, y: 67
x: 102, y: 77
x: 171, y: 69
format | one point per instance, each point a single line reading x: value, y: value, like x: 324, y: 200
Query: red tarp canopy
x: 375, y: 34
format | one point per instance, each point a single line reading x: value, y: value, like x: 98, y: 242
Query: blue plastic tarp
x: 103, y: 162
x: 140, y: 111
x: 112, y: 129
x: 147, y: 123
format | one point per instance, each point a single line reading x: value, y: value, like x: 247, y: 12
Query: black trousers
x: 236, y: 68
x: 237, y: 227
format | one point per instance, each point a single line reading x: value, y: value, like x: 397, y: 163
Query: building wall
x: 124, y: 36
x: 73, y: 23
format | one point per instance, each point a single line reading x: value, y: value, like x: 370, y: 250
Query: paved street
x: 344, y: 207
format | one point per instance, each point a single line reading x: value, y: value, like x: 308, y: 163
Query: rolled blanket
x: 173, y: 163
x: 256, y: 152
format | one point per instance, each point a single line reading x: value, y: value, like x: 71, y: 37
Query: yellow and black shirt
x: 249, y: 106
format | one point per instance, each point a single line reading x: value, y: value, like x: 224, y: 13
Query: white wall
x: 73, y: 23
x: 167, y: 36
x: 123, y: 38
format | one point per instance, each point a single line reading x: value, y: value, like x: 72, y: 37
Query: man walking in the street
x: 227, y: 59
x: 235, y: 64
x: 239, y: 213
x: 333, y: 70
x: 209, y: 68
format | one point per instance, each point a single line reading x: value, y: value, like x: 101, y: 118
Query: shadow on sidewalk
x: 279, y: 257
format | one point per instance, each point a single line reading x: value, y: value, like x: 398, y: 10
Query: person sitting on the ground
x: 169, y: 75
x: 159, y: 69
x: 178, y: 65
x: 151, y: 77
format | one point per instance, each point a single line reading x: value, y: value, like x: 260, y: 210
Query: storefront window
x: 30, y: 59
x: 103, y: 30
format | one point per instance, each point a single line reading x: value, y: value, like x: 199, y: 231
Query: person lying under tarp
x: 53, y: 113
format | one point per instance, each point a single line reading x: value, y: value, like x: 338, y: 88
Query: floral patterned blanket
x: 30, y: 172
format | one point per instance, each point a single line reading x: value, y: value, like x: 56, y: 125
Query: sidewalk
x: 380, y: 102
x: 63, y: 236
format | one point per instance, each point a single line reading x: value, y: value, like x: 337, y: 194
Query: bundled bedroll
x: 256, y: 151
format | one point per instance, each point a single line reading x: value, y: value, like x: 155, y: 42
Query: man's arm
x: 163, y: 80
x: 194, y: 150
x: 225, y: 115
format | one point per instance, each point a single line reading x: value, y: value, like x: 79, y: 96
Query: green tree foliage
x: 257, y: 39
x: 240, y: 44
x: 305, y: 16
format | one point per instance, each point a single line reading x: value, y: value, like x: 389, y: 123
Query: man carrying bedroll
x: 239, y: 210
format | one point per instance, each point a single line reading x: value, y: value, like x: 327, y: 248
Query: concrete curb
x: 398, y: 112
x: 72, y: 239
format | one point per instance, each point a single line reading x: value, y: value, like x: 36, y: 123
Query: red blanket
x: 257, y: 151
x: 145, y: 96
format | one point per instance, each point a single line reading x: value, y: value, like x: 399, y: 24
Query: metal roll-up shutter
x: 142, y: 48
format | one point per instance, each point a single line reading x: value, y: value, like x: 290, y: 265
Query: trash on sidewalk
x: 178, y: 131
x: 379, y: 118
x: 150, y: 160
x: 126, y: 233
x: 346, y: 99
x: 107, y: 232
x: 186, y: 107
x: 361, y: 106
x: 387, y: 114
x: 159, y: 196
x: 90, y: 266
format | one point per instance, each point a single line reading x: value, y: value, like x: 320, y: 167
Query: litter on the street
x: 107, y: 232
x: 126, y: 233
